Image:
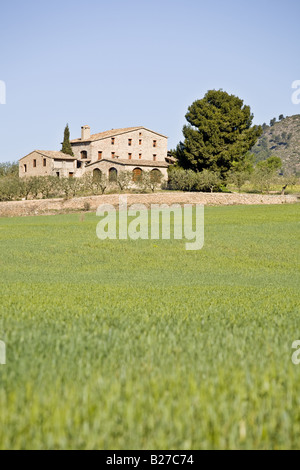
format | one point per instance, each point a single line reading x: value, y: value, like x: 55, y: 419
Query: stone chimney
x: 85, y: 132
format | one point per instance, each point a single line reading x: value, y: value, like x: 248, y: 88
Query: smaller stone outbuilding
x: 47, y: 163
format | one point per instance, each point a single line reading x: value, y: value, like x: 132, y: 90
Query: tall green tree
x: 219, y: 133
x: 66, y: 146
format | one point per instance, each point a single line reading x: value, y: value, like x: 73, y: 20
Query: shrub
x: 182, y: 180
x: 124, y: 180
x: 9, y: 188
x: 149, y: 181
x: 238, y: 178
x: 86, y: 206
x: 9, y: 169
x: 208, y: 181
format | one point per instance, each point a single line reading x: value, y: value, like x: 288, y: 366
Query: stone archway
x: 113, y: 175
x: 137, y: 174
x: 97, y: 175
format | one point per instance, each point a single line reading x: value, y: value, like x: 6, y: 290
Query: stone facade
x: 130, y: 143
x: 128, y: 149
x: 47, y: 163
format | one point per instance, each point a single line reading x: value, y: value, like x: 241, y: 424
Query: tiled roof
x: 111, y: 133
x: 120, y: 161
x: 55, y: 154
x: 52, y: 154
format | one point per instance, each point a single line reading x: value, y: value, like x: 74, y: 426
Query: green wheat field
x: 144, y: 345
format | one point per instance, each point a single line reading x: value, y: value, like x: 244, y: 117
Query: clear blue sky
x: 122, y: 63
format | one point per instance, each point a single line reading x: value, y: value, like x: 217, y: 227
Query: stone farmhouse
x: 134, y: 149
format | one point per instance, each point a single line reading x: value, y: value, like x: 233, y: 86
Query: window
x: 34, y: 163
x: 140, y: 134
x: 78, y: 164
x: 137, y: 174
x: 140, y: 142
x: 25, y: 168
x: 83, y: 154
x: 57, y: 174
x: 44, y: 162
x: 112, y: 175
x: 112, y: 154
x: 71, y: 175
x: 99, y: 154
x: 140, y: 156
x: 130, y: 156
x: 154, y: 158
x: 154, y: 143
x: 112, y: 141
x: 129, y: 142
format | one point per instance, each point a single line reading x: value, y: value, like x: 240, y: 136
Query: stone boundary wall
x: 55, y: 206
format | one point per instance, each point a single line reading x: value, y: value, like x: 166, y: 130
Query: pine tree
x: 66, y: 146
x: 218, y: 135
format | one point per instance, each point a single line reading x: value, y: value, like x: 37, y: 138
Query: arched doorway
x: 97, y: 175
x: 112, y: 175
x: 155, y: 176
x: 137, y: 174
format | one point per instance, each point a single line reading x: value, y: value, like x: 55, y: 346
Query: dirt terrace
x: 55, y: 206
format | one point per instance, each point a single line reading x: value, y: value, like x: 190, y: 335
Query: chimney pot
x: 85, y: 132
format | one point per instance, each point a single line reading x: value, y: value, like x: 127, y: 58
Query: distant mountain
x: 282, y: 139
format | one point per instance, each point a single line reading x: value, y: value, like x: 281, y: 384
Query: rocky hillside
x: 281, y: 139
